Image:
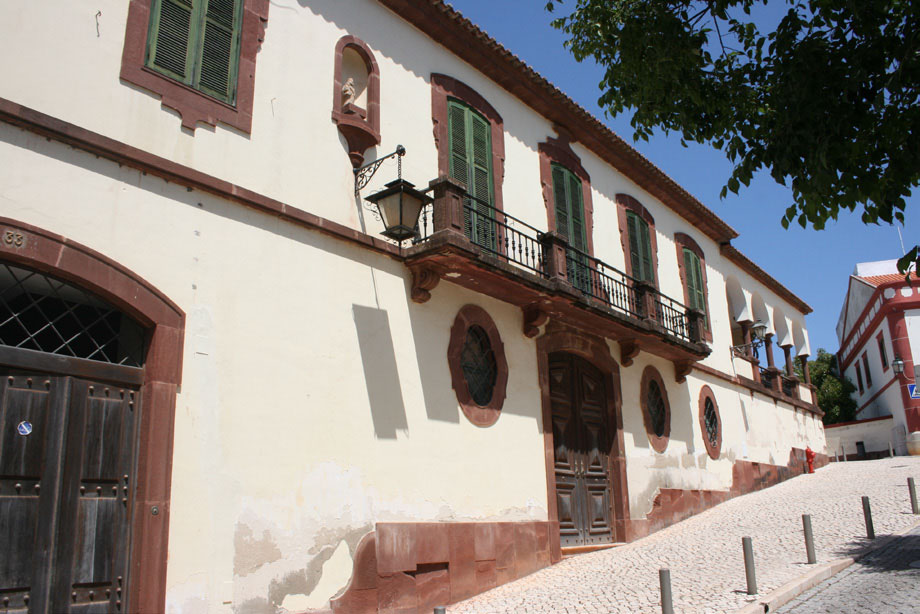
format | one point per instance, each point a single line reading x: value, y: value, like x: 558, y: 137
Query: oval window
x: 710, y: 422
x: 478, y: 364
x: 656, y: 411
x: 478, y: 368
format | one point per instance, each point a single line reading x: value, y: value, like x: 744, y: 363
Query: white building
x: 226, y: 392
x: 879, y: 324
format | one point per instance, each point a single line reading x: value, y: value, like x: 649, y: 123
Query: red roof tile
x: 877, y: 280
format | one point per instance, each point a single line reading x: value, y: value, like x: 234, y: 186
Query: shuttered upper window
x: 694, y: 271
x: 471, y: 163
x: 197, y: 42
x: 570, y: 209
x: 640, y: 248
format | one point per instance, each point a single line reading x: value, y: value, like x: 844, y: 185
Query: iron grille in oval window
x: 656, y: 408
x: 39, y: 312
x: 478, y: 364
x: 712, y: 422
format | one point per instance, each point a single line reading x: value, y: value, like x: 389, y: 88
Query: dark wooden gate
x: 65, y: 490
x: 581, y: 438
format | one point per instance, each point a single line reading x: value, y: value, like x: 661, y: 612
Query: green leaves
x: 828, y: 102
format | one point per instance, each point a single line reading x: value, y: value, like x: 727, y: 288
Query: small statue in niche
x: 348, y: 92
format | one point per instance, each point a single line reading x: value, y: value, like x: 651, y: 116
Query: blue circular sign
x: 24, y: 428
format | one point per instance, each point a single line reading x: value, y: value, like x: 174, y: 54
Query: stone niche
x: 356, y: 97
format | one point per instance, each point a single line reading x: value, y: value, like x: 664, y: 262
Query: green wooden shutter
x: 197, y: 42
x: 559, y: 195
x: 219, y: 51
x: 640, y: 247
x: 646, y: 245
x: 168, y: 48
x: 470, y: 146
x: 481, y: 138
x: 694, y: 273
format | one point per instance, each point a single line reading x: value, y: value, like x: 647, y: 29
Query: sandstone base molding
x: 411, y: 567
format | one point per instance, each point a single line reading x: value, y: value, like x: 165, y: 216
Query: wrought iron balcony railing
x: 549, y: 255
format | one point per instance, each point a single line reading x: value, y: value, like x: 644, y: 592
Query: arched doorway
x: 90, y: 358
x: 583, y: 438
x: 71, y: 368
x: 581, y: 451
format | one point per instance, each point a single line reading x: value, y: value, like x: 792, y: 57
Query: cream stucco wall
x: 316, y: 398
x: 876, y: 435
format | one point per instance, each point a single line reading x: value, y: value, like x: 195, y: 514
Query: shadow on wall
x: 381, y: 375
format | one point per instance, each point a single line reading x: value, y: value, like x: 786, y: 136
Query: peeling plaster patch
x: 255, y: 606
x: 249, y: 553
x: 339, y: 565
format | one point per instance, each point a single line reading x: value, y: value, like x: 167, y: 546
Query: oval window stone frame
x: 480, y: 415
x: 714, y: 450
x: 659, y: 443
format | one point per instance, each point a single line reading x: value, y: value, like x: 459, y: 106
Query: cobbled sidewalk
x: 883, y: 582
x: 704, y: 551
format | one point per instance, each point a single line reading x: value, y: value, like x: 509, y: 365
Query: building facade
x: 226, y: 392
x: 879, y: 324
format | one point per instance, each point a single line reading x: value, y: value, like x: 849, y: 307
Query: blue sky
x: 815, y: 265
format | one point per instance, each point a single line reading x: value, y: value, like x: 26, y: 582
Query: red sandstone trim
x: 444, y: 87
x: 560, y: 152
x: 658, y: 443
x: 360, y: 132
x: 473, y: 315
x: 683, y: 240
x: 888, y: 306
x: 54, y: 254
x: 625, y: 203
x: 851, y: 422
x: 411, y: 567
x: 876, y: 395
x: 70, y: 134
x: 194, y: 106
x: 713, y: 449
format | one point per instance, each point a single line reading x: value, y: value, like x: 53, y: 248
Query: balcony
x: 468, y: 242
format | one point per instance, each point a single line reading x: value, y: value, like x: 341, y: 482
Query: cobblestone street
x: 704, y: 552
x: 883, y: 582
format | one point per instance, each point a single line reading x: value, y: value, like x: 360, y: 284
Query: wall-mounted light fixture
x: 399, y: 204
x: 897, y: 365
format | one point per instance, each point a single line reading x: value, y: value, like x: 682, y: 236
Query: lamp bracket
x: 364, y: 174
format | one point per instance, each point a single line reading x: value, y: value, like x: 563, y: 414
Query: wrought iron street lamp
x: 897, y: 365
x: 399, y: 203
x: 759, y: 330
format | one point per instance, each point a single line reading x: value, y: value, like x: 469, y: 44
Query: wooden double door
x: 582, y: 445
x: 67, y: 448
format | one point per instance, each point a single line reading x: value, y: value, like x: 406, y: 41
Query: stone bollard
x: 667, y: 601
x: 809, y: 539
x: 748, y: 547
x: 867, y: 512
x: 912, y: 488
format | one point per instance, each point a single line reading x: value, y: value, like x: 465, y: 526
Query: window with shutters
x: 570, y: 222
x: 692, y: 267
x: 640, y: 248
x: 471, y: 163
x: 197, y: 54
x: 637, y: 236
x: 197, y: 42
x: 469, y: 135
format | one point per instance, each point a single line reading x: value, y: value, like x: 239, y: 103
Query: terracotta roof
x: 445, y: 25
x: 878, y: 280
